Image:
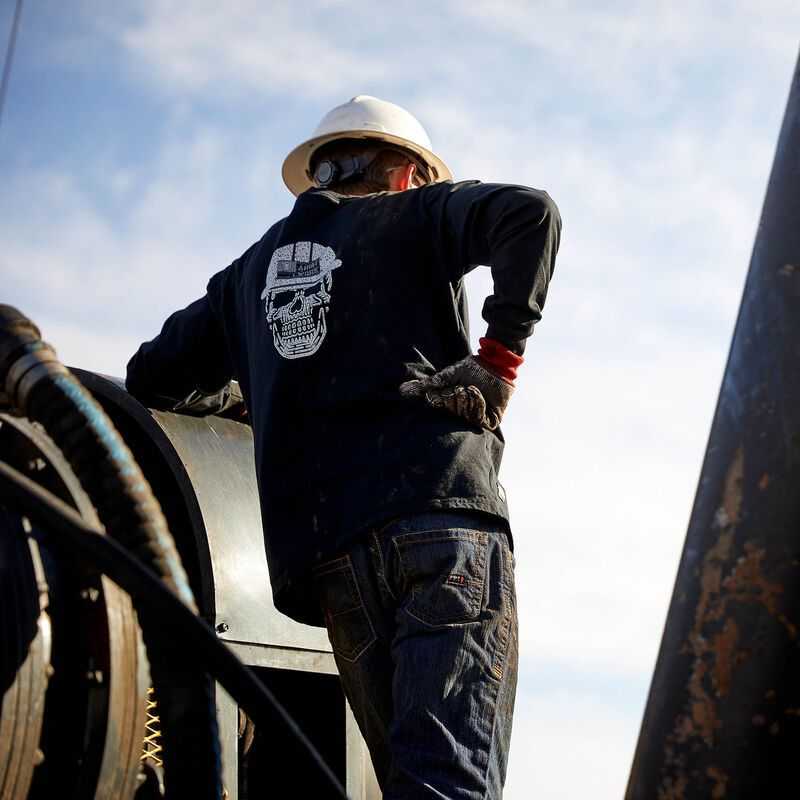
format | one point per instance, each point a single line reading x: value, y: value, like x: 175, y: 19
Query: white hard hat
x: 363, y: 117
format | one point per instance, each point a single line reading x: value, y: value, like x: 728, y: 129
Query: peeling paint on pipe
x: 723, y: 715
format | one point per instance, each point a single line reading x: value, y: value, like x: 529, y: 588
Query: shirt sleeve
x: 189, y: 355
x: 515, y: 230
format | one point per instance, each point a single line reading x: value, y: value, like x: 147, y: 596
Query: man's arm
x: 514, y: 230
x: 189, y: 355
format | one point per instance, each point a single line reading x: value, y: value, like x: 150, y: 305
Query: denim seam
x: 329, y: 568
x: 446, y: 624
x: 458, y: 534
x: 400, y: 565
x: 347, y: 568
x: 498, y: 683
x: 498, y: 662
x: 346, y: 611
x: 382, y: 529
x: 491, y: 729
x: 351, y: 577
x: 381, y: 566
x: 485, y: 776
x: 353, y: 657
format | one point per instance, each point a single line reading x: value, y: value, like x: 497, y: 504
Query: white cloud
x: 634, y: 53
x: 568, y: 743
x: 241, y: 47
x: 78, y: 344
x: 117, y: 250
x: 86, y: 268
x: 601, y: 464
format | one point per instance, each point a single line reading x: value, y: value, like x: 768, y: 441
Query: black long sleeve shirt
x: 321, y: 320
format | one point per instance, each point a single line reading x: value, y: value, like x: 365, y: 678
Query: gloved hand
x: 467, y: 389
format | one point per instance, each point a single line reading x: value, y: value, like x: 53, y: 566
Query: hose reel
x: 83, y: 499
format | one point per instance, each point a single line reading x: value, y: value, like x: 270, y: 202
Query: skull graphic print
x: 297, y: 296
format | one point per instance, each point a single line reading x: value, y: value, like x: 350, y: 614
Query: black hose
x: 191, y: 635
x: 41, y: 388
x: 38, y: 386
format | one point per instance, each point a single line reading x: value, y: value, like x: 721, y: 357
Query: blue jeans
x: 422, y: 619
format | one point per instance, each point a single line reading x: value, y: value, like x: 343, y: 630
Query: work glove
x: 226, y: 402
x: 466, y: 389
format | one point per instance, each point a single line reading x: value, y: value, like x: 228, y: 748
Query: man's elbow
x: 546, y: 216
x: 543, y: 208
x: 531, y: 207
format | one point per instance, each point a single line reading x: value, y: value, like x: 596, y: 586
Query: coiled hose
x: 168, y: 615
x: 191, y: 634
x: 38, y: 386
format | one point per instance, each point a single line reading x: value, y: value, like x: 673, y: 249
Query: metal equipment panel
x: 212, y: 463
x: 217, y: 455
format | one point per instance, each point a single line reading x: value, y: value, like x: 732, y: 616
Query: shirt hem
x: 291, y: 595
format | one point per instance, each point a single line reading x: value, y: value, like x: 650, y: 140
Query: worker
x: 377, y: 438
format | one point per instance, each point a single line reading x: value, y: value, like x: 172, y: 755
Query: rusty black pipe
x: 723, y: 715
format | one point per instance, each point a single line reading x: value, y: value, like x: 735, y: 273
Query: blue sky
x: 141, y: 151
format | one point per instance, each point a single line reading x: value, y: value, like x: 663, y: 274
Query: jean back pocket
x: 444, y: 572
x: 349, y: 628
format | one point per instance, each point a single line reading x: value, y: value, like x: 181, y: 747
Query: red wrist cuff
x: 498, y: 359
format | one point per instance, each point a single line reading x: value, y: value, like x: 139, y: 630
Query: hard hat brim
x: 295, y: 170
